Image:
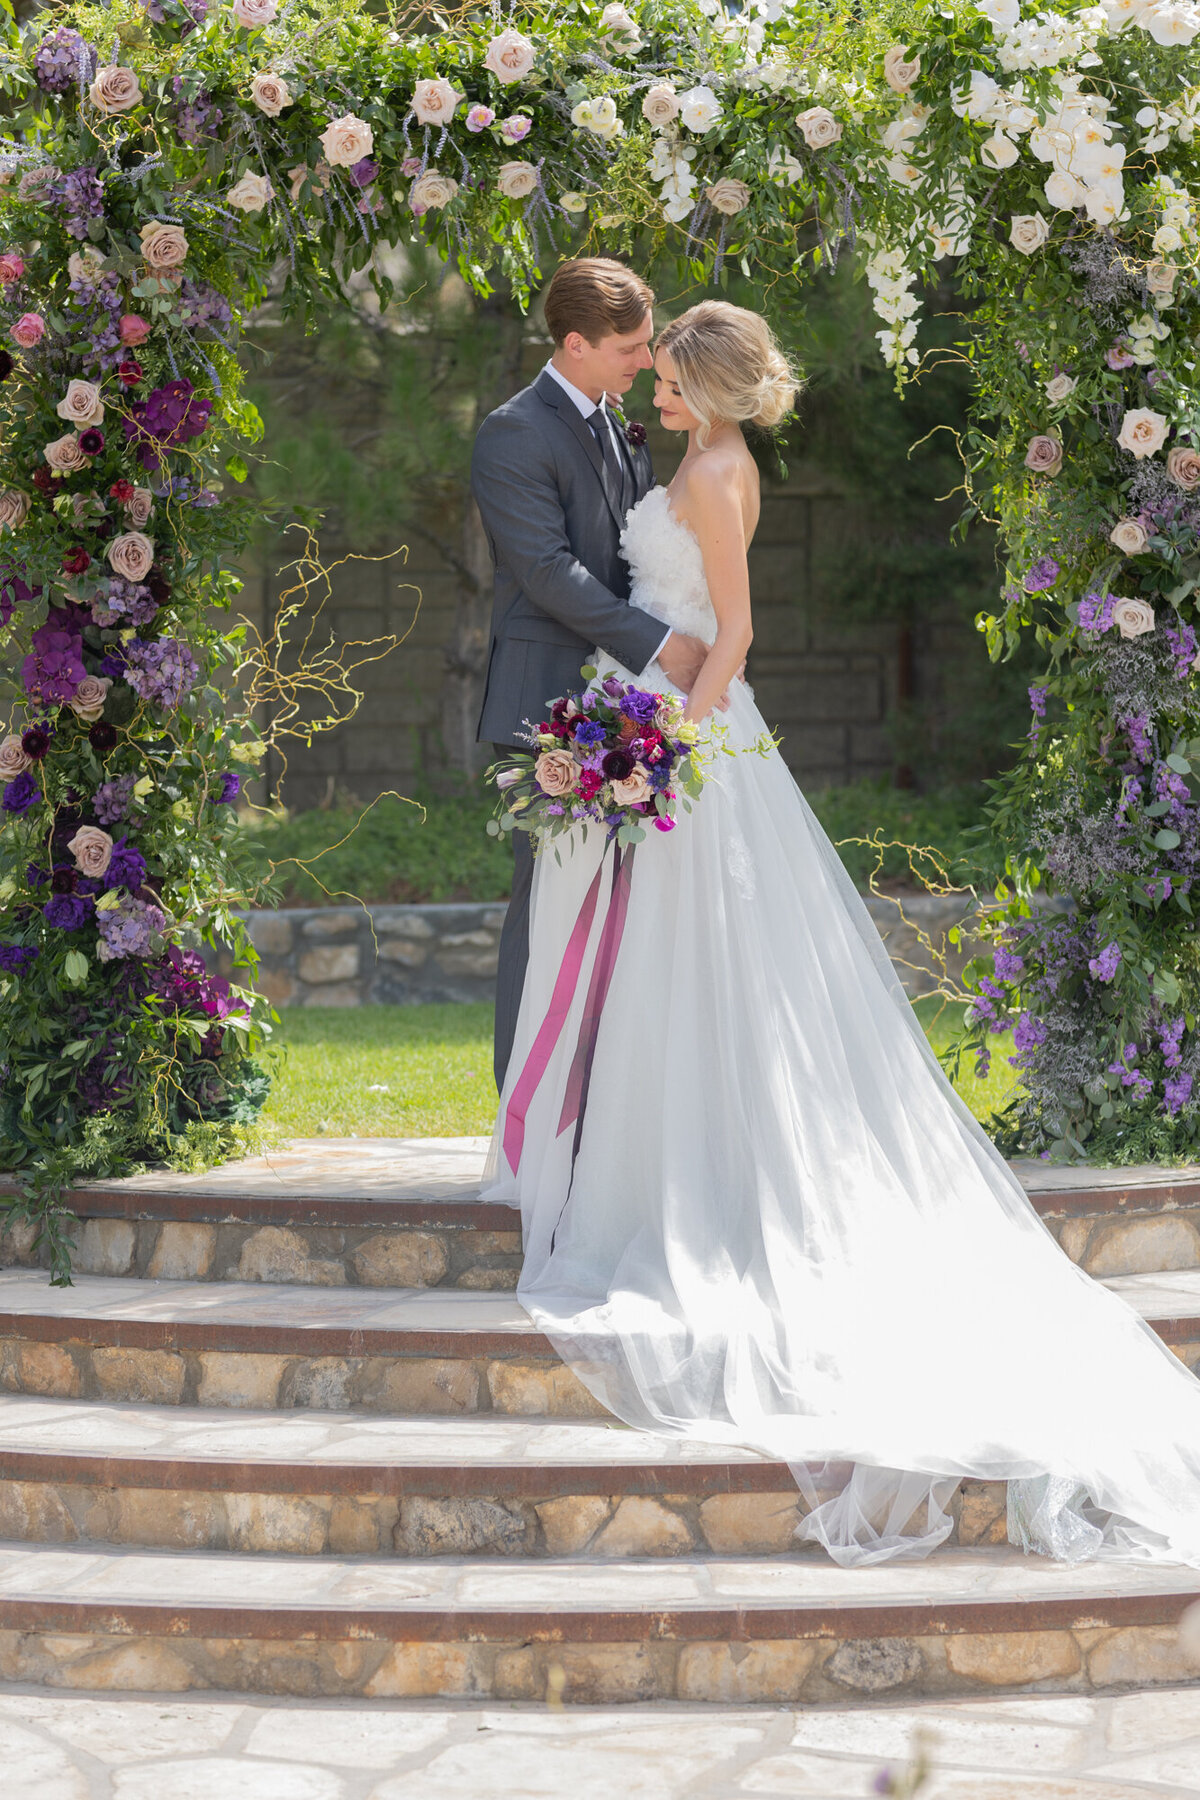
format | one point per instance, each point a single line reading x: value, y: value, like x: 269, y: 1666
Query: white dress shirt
x: 587, y: 407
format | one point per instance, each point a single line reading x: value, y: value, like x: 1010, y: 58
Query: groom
x: 554, y: 475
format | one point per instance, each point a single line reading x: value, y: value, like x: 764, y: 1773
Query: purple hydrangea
x: 126, y: 867
x: 1042, y: 575
x: 67, y: 912
x: 81, y: 196
x: 112, y: 799
x: 62, y: 60
x: 123, y: 602
x: 1138, y: 728
x: 1105, y: 965
x: 128, y: 929
x: 162, y: 670
x: 197, y: 118
x: 16, y: 957
x: 54, y: 668
x: 203, y: 307
x: 1169, y: 1039
x: 20, y: 794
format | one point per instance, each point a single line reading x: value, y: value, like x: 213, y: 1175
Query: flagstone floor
x: 76, y: 1747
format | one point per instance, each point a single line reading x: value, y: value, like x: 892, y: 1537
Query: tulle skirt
x: 783, y: 1229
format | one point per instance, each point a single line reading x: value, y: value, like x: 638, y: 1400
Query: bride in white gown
x: 783, y: 1229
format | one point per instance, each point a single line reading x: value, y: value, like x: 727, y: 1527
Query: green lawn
x: 426, y: 1071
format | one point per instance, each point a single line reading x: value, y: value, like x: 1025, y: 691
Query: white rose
x: 347, y: 140
x: 251, y: 193
x: 516, y: 179
x: 81, y: 404
x: 999, y: 152
x: 699, y: 108
x: 1133, y: 618
x: 254, y: 14
x: 431, y: 191
x: 1166, y: 239
x: 1029, y: 232
x: 1001, y: 14
x: 509, y: 57
x: 14, y: 507
x: 728, y: 195
x: 1061, y: 388
x: 85, y: 265
x: 818, y: 127
x: 433, y: 102
x: 899, y: 70
x: 115, y: 89
x: 1142, y: 432
x: 270, y: 93
x: 660, y: 104
x: 1129, y: 535
x: 1063, y: 191
x: 620, y: 27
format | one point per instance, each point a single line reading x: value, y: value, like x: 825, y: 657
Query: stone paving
x: 68, y: 1747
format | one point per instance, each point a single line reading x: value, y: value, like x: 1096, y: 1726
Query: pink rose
x: 12, y: 267
x: 509, y: 56
x: 479, y: 118
x: 254, y: 14
x: 1143, y: 431
x: 64, y: 454
x: 134, y: 330
x: 1118, y: 357
x: 92, y: 850
x: 139, y: 508
x: 1183, y: 467
x: 14, y: 508
x: 434, y: 102
x: 635, y: 789
x: 555, y: 772
x: 29, y: 330
x: 164, y: 246
x: 13, y: 760
x: 131, y: 555
x: 516, y: 179
x: 87, y: 702
x: 115, y: 89
x: 347, y: 140
x: 1044, y: 455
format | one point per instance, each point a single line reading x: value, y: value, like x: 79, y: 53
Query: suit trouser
x: 514, y: 946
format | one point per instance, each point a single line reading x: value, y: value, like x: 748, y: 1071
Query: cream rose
x: 251, y: 193
x: 92, y: 850
x: 433, y: 102
x: 1028, y: 233
x: 999, y: 152
x: 900, y: 70
x: 81, y: 404
x: 1061, y: 388
x: 14, y: 507
x: 818, y: 127
x: 1044, y: 454
x: 555, y: 772
x: 729, y: 195
x: 1129, y: 535
x: 131, y: 554
x: 431, y: 191
x: 509, y: 57
x: 634, y: 789
x: 270, y: 93
x: 13, y: 760
x: 1142, y: 432
x: 254, y: 14
x: 163, y: 246
x: 115, y: 89
x: 516, y: 179
x: 1160, y: 280
x: 1183, y: 467
x: 347, y: 140
x: 64, y: 454
x: 620, y: 28
x: 85, y: 265
x: 87, y: 702
x: 1133, y: 618
x: 139, y: 508
x: 660, y: 104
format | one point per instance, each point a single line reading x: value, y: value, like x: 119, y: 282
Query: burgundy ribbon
x: 551, y: 1027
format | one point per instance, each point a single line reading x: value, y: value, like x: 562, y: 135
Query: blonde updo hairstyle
x: 729, y: 366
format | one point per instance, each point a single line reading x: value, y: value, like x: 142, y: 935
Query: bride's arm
x: 714, y: 512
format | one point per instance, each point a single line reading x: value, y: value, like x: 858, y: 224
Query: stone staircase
x: 289, y: 1433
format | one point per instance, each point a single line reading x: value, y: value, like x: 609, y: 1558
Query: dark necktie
x: 616, y: 470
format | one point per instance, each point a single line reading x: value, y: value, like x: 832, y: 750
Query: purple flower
x: 1095, y: 612
x: 479, y: 118
x: 35, y: 739
x: 1117, y: 355
x: 112, y: 799
x: 231, y: 787
x: 128, y: 930
x: 1169, y: 1040
x: 1138, y: 728
x: 618, y: 765
x: 1007, y: 965
x: 115, y: 663
x: 54, y: 668
x: 1183, y: 649
x: 635, y: 433
x: 67, y: 912
x: 63, y: 60
x: 1029, y: 1032
x: 166, y: 419
x: 589, y: 732
x: 13, y: 592
x: 1177, y: 1091
x: 126, y: 867
x: 613, y: 687
x: 20, y: 794
x: 162, y: 670
x: 1042, y: 575
x: 639, y: 705
x: 363, y: 172
x: 1105, y: 965
x: 16, y: 957
x: 1037, y: 701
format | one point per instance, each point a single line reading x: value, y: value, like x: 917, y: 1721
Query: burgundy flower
x: 103, y: 738
x: 157, y: 585
x: 130, y: 372
x: 635, y: 433
x: 76, y: 560
x: 35, y: 741
x: 45, y: 480
x: 122, y: 489
x: 6, y: 365
x: 617, y: 765
x: 91, y: 441
x: 63, y: 881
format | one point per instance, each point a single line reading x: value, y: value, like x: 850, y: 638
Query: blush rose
x: 555, y: 772
x: 92, y: 850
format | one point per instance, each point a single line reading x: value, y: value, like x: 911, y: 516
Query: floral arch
x: 163, y: 158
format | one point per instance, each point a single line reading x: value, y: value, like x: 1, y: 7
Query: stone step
x: 338, y: 1484
x: 798, y: 1628
x: 382, y: 1212
x: 393, y: 1351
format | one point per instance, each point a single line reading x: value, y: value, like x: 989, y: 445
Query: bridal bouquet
x: 614, y: 754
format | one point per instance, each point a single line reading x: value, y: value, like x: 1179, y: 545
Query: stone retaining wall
x: 401, y: 955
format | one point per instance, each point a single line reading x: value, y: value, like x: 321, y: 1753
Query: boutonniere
x: 635, y: 431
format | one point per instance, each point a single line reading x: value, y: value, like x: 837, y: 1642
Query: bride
x: 782, y: 1229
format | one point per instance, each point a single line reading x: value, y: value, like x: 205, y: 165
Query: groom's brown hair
x: 596, y: 297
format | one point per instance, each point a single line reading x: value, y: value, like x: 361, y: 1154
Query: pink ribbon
x: 580, y: 1076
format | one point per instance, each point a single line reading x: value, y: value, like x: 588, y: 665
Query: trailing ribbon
x: 550, y: 1030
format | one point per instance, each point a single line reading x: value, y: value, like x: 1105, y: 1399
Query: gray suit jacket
x: 554, y: 522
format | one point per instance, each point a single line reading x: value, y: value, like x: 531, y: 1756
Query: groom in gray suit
x: 554, y: 474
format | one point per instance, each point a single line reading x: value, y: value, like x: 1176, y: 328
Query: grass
x: 426, y: 1071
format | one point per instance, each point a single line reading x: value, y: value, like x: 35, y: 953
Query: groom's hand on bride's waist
x: 681, y: 660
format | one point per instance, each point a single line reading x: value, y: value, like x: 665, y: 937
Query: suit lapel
x: 547, y: 389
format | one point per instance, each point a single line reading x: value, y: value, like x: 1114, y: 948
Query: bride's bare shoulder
x: 726, y: 472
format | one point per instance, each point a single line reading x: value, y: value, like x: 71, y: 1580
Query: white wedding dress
x: 783, y: 1229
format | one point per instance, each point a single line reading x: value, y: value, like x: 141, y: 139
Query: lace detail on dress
x: 667, y: 567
